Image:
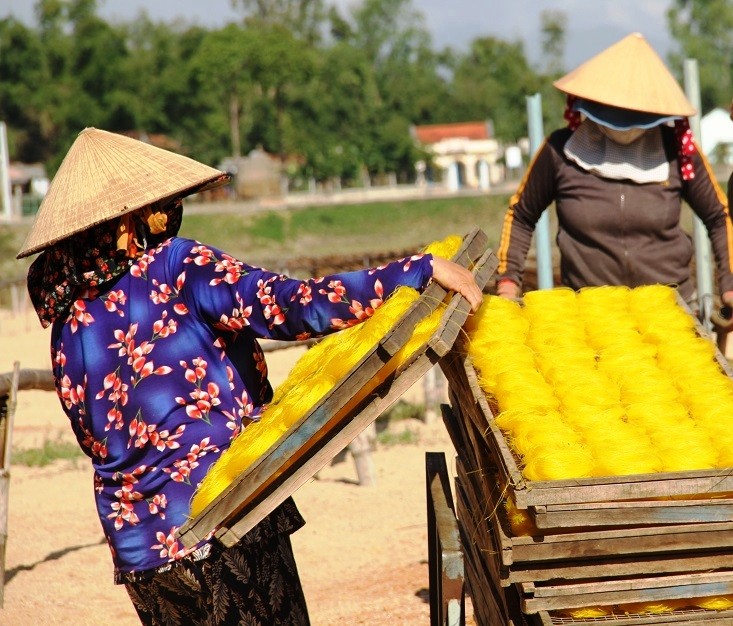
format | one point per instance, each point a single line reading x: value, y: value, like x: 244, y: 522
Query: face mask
x: 622, y: 137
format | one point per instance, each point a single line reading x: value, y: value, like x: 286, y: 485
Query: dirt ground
x: 362, y: 555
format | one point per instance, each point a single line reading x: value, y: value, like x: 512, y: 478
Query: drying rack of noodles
x: 333, y: 392
x: 594, y: 478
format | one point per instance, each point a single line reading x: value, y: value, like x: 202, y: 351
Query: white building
x: 466, y: 153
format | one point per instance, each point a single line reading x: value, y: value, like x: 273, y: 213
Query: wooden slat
x: 549, y: 597
x: 256, y: 505
x: 28, y: 379
x: 618, y: 567
x: 626, y: 541
x: 476, y: 529
x: 626, y: 552
x: 555, y: 516
x: 677, y: 618
x: 445, y: 555
x: 682, y: 540
x: 640, y: 555
x: 321, y: 434
x: 635, y: 487
x: 8, y: 405
x: 487, y: 598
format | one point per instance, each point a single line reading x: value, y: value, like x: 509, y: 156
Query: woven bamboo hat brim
x: 629, y: 75
x: 105, y: 175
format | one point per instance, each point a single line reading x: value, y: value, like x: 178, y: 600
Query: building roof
x: 23, y: 173
x: 433, y: 133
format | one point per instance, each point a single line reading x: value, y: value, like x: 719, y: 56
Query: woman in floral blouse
x: 157, y: 365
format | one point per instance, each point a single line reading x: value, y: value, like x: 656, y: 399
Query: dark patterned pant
x: 248, y: 584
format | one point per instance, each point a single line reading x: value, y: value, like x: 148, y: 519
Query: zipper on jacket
x: 627, y: 263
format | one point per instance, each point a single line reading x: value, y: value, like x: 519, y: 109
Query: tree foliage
x: 333, y: 94
x: 704, y: 31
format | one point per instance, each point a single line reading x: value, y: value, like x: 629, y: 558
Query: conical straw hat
x: 629, y: 75
x: 105, y: 175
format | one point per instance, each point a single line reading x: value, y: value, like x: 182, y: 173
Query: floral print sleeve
x: 232, y: 294
x: 159, y: 371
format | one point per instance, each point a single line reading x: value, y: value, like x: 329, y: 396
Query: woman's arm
x: 535, y: 193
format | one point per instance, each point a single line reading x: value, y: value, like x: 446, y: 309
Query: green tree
x: 492, y: 82
x: 304, y: 18
x: 170, y: 97
x: 703, y: 30
x: 229, y: 80
x: 392, y: 37
x: 281, y: 66
x: 98, y: 66
x: 553, y: 25
x: 336, y: 114
x: 255, y: 78
x: 23, y: 70
x: 388, y: 30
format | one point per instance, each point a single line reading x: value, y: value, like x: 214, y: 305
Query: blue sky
x: 592, y: 24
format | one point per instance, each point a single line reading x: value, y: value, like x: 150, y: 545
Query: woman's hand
x: 507, y: 288
x: 457, y: 278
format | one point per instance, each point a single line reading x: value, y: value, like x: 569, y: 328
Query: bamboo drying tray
x: 599, y: 501
x: 326, y: 429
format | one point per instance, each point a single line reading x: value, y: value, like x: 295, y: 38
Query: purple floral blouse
x: 158, y: 371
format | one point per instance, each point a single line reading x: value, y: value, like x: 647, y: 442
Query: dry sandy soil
x: 362, y: 555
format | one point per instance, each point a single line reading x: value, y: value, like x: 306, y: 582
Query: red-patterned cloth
x: 571, y: 116
x: 686, y: 147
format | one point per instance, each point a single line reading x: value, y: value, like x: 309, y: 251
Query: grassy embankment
x: 273, y: 237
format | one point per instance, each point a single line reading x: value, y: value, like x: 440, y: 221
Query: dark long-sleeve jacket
x: 616, y: 232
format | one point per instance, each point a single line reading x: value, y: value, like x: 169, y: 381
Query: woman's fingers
x: 457, y: 278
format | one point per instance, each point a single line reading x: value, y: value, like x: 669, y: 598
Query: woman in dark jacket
x: 618, y: 175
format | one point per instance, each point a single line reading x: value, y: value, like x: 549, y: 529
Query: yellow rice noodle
x: 716, y: 603
x: 606, y: 381
x: 659, y: 607
x: 315, y: 374
x: 587, y: 612
x: 520, y: 521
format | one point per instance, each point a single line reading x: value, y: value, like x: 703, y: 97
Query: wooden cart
x: 602, y: 542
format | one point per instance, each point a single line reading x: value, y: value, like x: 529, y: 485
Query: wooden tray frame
x: 699, y: 617
x: 549, y: 597
x: 565, y: 503
x: 485, y: 578
x: 313, y: 441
